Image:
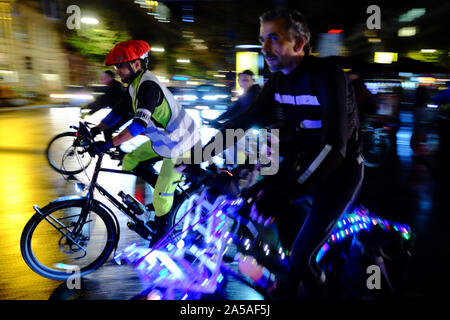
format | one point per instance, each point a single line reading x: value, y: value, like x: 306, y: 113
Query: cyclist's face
x: 106, y: 79
x: 245, y: 81
x: 280, y: 51
x: 124, y: 72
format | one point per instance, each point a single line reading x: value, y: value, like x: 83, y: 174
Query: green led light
x: 405, y: 235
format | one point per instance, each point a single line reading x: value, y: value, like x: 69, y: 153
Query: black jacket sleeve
x: 148, y: 97
x: 241, y: 104
x: 232, y: 111
x: 257, y: 114
x: 124, y: 108
x: 110, y: 98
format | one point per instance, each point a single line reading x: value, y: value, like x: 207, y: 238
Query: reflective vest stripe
x: 315, y: 164
x: 311, y: 124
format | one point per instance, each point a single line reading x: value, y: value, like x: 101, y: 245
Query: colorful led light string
x: 132, y: 253
x: 357, y: 221
x: 351, y: 223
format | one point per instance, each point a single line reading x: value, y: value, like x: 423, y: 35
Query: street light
x: 89, y: 20
x: 248, y: 46
x: 157, y: 49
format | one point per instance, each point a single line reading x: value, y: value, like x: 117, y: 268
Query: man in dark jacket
x: 111, y: 97
x: 250, y: 92
x: 114, y: 96
x: 311, y: 102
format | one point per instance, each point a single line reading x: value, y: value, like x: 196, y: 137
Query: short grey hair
x: 295, y: 24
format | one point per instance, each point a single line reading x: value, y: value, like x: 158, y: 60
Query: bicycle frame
x: 85, y: 136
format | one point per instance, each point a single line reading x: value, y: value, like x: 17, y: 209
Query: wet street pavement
x: 403, y: 191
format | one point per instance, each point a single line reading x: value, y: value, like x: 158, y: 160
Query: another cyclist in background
x: 171, y: 131
x: 366, y: 101
x: 110, y: 98
x: 421, y: 99
x: 250, y: 92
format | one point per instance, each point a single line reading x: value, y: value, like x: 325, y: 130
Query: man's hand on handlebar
x: 100, y: 147
x: 95, y: 131
x: 188, y: 169
x: 103, y: 146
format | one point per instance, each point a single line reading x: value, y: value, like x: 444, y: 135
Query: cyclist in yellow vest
x: 156, y: 113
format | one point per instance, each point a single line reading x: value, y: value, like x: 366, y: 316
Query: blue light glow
x: 220, y: 226
x: 180, y: 78
x: 163, y: 272
x: 322, y: 252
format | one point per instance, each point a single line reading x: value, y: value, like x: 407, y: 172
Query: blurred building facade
x: 417, y: 31
x: 32, y: 59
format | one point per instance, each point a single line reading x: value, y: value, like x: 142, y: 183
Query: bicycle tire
x: 382, y: 148
x: 55, y: 158
x: 28, y: 232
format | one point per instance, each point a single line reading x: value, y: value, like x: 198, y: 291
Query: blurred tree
x: 94, y: 43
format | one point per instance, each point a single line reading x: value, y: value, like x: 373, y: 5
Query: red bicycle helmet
x: 127, y: 51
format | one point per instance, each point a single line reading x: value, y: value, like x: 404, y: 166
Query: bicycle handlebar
x: 85, y: 135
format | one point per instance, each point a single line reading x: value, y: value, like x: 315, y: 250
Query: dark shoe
x: 159, y: 227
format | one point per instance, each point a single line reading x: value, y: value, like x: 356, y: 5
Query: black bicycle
x: 80, y: 231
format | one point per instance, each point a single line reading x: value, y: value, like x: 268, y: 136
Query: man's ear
x: 300, y: 43
x: 138, y: 64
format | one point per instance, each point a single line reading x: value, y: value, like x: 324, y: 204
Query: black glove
x: 103, y: 146
x: 95, y: 131
x: 100, y: 147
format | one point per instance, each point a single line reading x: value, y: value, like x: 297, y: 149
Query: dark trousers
x: 329, y: 202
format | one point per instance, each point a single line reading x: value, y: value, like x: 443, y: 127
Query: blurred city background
x: 50, y: 68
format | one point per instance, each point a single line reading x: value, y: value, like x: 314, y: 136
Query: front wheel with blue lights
x: 52, y: 247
